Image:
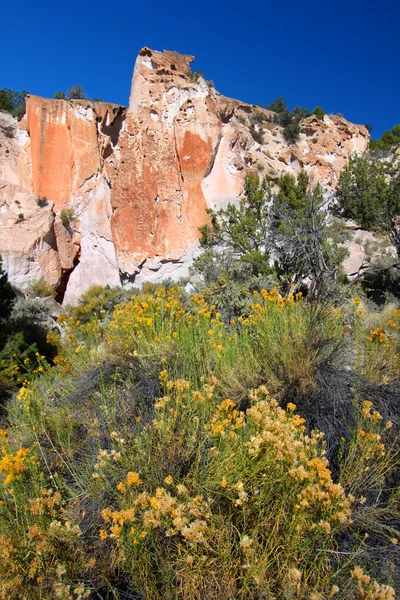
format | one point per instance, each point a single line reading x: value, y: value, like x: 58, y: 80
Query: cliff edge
x: 96, y: 193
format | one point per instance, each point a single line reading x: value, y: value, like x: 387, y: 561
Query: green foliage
x: 194, y: 75
x: 7, y: 294
x: 300, y: 112
x: 67, y: 216
x: 26, y: 349
x: 154, y: 441
x: 279, y: 105
x: 227, y: 282
x: 319, y: 112
x: 76, y: 92
x: 60, y: 96
x: 22, y: 335
x: 291, y: 132
x: 7, y: 300
x: 41, y: 201
x: 41, y: 289
x: 387, y: 141
x: 98, y: 302
x: 237, y: 260
x: 290, y: 121
x: 292, y: 226
x: 256, y: 135
x: 364, y: 193
x: 13, y: 102
x: 243, y: 229
x: 301, y: 239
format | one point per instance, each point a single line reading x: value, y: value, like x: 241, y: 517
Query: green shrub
x: 60, y: 96
x: 256, y: 135
x: 13, y: 102
x: 290, y: 121
x: 26, y: 350
x: 98, y: 302
x: 41, y: 201
x: 76, y: 92
x: 291, y: 225
x: 7, y: 300
x: 319, y: 112
x: 41, y: 289
x: 302, y: 240
x: 291, y: 132
x: 152, y: 462
x: 387, y: 141
x: 67, y: 216
x: 194, y: 75
x: 363, y: 192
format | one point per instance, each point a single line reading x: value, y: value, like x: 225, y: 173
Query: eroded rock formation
x: 95, y: 193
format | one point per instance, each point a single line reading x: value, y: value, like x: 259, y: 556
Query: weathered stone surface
x: 366, y: 249
x: 139, y: 180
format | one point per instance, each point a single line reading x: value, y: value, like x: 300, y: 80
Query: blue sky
x: 341, y: 55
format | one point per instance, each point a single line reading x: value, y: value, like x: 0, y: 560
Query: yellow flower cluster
x: 25, y: 395
x: 371, y: 590
x: 178, y: 514
x: 36, y: 548
x: 267, y: 301
x: 394, y: 321
x: 47, y: 503
x: 15, y: 464
x: 227, y: 420
x: 378, y: 335
x: 280, y: 438
x: 161, y: 317
x: 368, y: 413
x: 371, y: 445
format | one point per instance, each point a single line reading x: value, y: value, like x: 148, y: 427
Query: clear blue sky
x: 342, y: 55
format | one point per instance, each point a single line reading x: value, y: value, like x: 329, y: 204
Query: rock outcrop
x: 95, y: 193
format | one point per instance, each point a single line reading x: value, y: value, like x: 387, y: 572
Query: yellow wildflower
x: 121, y: 487
x: 133, y: 479
x: 163, y: 376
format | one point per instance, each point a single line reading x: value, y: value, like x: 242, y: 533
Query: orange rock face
x: 137, y: 181
x: 64, y: 145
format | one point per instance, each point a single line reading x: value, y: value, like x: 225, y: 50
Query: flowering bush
x: 181, y: 474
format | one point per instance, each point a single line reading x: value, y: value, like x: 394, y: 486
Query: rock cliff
x: 96, y: 193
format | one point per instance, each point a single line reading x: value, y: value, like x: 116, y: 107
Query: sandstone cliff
x: 127, y: 188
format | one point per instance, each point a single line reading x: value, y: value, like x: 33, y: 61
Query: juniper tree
x: 282, y: 237
x: 242, y: 231
x: 301, y: 239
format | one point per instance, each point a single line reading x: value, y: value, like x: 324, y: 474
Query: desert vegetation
x: 13, y: 102
x: 166, y: 453
x: 233, y: 438
x: 388, y: 140
x: 290, y: 121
